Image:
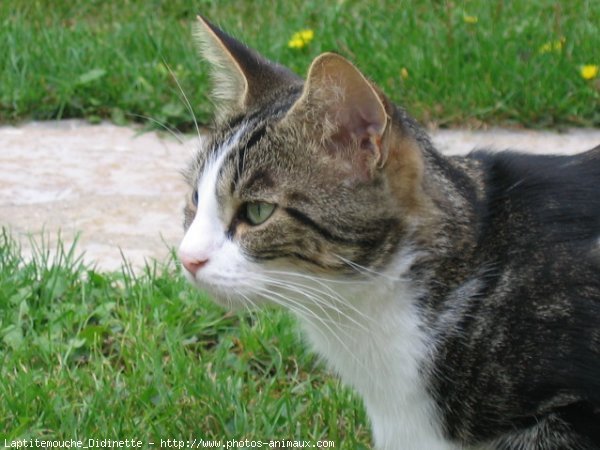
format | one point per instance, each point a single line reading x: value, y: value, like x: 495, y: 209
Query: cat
x: 459, y: 296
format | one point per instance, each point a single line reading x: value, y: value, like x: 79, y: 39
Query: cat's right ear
x: 242, y: 79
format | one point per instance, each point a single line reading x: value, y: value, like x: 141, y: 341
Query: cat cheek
x: 225, y: 277
x: 212, y: 262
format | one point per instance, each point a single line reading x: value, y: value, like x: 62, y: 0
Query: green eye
x: 259, y: 212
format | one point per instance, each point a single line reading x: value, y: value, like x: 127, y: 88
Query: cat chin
x: 231, y: 298
x: 234, y: 301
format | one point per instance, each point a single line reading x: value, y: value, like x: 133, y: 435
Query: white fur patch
x: 377, y: 346
x: 206, y: 239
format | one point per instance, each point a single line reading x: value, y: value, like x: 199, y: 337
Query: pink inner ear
x: 361, y: 150
x: 338, y: 96
x: 358, y: 113
x: 360, y: 125
x: 353, y: 128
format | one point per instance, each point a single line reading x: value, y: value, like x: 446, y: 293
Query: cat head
x: 297, y: 178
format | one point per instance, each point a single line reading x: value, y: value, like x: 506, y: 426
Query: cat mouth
x: 227, y: 292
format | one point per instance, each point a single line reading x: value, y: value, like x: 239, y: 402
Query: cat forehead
x: 237, y: 157
x: 250, y: 121
x: 251, y: 148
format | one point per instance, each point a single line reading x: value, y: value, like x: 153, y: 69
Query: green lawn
x: 85, y: 354
x: 468, y: 62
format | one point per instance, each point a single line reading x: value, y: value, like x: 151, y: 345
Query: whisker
x: 310, y: 315
x: 324, y: 307
x: 185, y: 98
x: 328, y: 293
x: 312, y: 294
x: 251, y: 312
x: 315, y: 277
x: 273, y: 297
x: 167, y: 128
x: 365, y: 270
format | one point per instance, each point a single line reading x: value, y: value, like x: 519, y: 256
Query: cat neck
x: 376, y: 341
x: 442, y: 196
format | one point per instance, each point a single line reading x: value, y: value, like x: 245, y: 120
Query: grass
x: 469, y: 62
x: 90, y: 355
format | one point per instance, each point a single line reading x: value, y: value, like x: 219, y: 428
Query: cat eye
x: 258, y: 212
x: 195, y: 198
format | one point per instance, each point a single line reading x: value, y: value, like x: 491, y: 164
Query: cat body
x: 459, y: 296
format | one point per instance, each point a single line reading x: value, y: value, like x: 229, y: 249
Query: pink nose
x: 192, y: 265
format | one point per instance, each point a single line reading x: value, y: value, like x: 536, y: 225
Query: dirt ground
x: 122, y: 193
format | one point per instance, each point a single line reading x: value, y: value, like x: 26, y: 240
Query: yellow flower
x: 553, y: 46
x: 470, y: 19
x: 301, y: 39
x: 307, y: 35
x: 589, y: 71
x: 404, y: 73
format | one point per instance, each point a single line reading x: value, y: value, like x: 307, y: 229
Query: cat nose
x: 192, y: 265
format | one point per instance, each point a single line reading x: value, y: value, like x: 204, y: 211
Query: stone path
x: 122, y: 192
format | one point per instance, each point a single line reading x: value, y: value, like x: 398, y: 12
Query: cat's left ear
x: 242, y: 79
x: 347, y: 110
